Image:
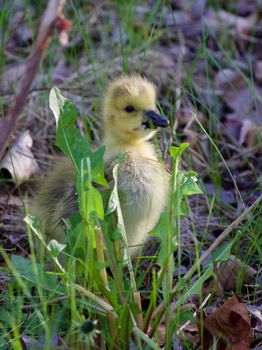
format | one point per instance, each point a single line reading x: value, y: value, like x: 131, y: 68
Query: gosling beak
x: 154, y: 119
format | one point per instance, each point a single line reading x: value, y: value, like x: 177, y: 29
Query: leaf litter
x: 231, y: 91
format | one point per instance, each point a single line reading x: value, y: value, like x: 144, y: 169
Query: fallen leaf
x: 19, y: 162
x: 251, y: 135
x: 242, y: 99
x: 214, y: 288
x: 207, y: 336
x: 231, y: 322
x: 190, y: 331
x: 232, y: 271
x: 221, y: 19
x: 161, y: 334
x: 256, y: 312
x: 233, y: 127
x: 258, y: 71
x: 227, y: 79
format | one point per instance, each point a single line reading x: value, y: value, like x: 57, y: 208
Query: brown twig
x: 52, y: 19
x: 100, y: 255
x: 103, y: 274
x: 161, y: 310
x: 222, y: 237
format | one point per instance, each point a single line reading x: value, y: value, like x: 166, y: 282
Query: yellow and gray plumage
x: 130, y: 121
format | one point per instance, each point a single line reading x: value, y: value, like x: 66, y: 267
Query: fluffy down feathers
x: 143, y: 182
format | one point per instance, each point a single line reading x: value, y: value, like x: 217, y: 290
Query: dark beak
x: 154, y: 119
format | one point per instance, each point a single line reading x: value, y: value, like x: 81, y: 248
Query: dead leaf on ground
x: 19, y: 163
x: 258, y: 71
x: 231, y: 322
x: 255, y: 311
x: 243, y: 100
x: 221, y: 19
x: 214, y: 288
x: 227, y: 79
x: 190, y: 332
x: 161, y: 334
x: 251, y: 136
x: 232, y: 271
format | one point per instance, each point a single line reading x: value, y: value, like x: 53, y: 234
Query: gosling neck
x: 140, y: 147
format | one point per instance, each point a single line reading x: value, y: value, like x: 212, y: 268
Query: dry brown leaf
x: 19, y: 162
x: 221, y: 19
x: 251, y: 135
x: 244, y: 102
x: 190, y: 331
x: 256, y: 312
x: 258, y: 71
x: 233, y: 127
x: 233, y: 270
x: 161, y: 334
x: 231, y: 322
x: 227, y: 78
x: 208, y: 338
x: 214, y: 288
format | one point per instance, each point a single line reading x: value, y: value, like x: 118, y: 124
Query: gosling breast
x: 143, y: 185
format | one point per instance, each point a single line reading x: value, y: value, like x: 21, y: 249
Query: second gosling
x: 130, y: 121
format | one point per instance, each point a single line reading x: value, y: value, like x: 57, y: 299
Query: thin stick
x: 101, y: 259
x: 221, y: 238
x: 52, y: 19
x: 100, y: 255
x: 205, y: 255
x: 139, y: 317
x: 99, y: 301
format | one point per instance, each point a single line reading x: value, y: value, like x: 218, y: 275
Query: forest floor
x: 206, y: 61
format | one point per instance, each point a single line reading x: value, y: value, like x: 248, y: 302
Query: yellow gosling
x: 130, y: 121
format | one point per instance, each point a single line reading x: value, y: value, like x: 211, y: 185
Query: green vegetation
x: 84, y: 293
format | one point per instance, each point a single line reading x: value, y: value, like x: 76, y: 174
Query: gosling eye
x: 129, y: 109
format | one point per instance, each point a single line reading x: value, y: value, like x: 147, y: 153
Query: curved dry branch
x: 52, y: 19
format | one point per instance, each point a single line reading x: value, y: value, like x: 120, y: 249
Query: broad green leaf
x: 70, y: 140
x: 165, y: 231
x: 189, y: 184
x: 89, y: 198
x: 223, y: 253
x: 176, y: 152
x: 36, y: 274
x: 195, y: 288
x: 73, y: 144
x: 97, y: 165
x: 62, y: 108
x: 95, y: 203
x: 55, y: 247
x: 116, y: 235
x: 35, y: 224
x: 75, y: 237
x: 161, y: 231
x: 114, y: 203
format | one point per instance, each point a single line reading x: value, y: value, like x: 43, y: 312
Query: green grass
x: 63, y: 300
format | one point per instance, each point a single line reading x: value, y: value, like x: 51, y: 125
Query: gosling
x: 130, y: 120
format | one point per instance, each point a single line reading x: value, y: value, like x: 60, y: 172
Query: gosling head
x: 130, y: 111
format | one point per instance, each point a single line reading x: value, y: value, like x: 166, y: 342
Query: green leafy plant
x: 86, y: 292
